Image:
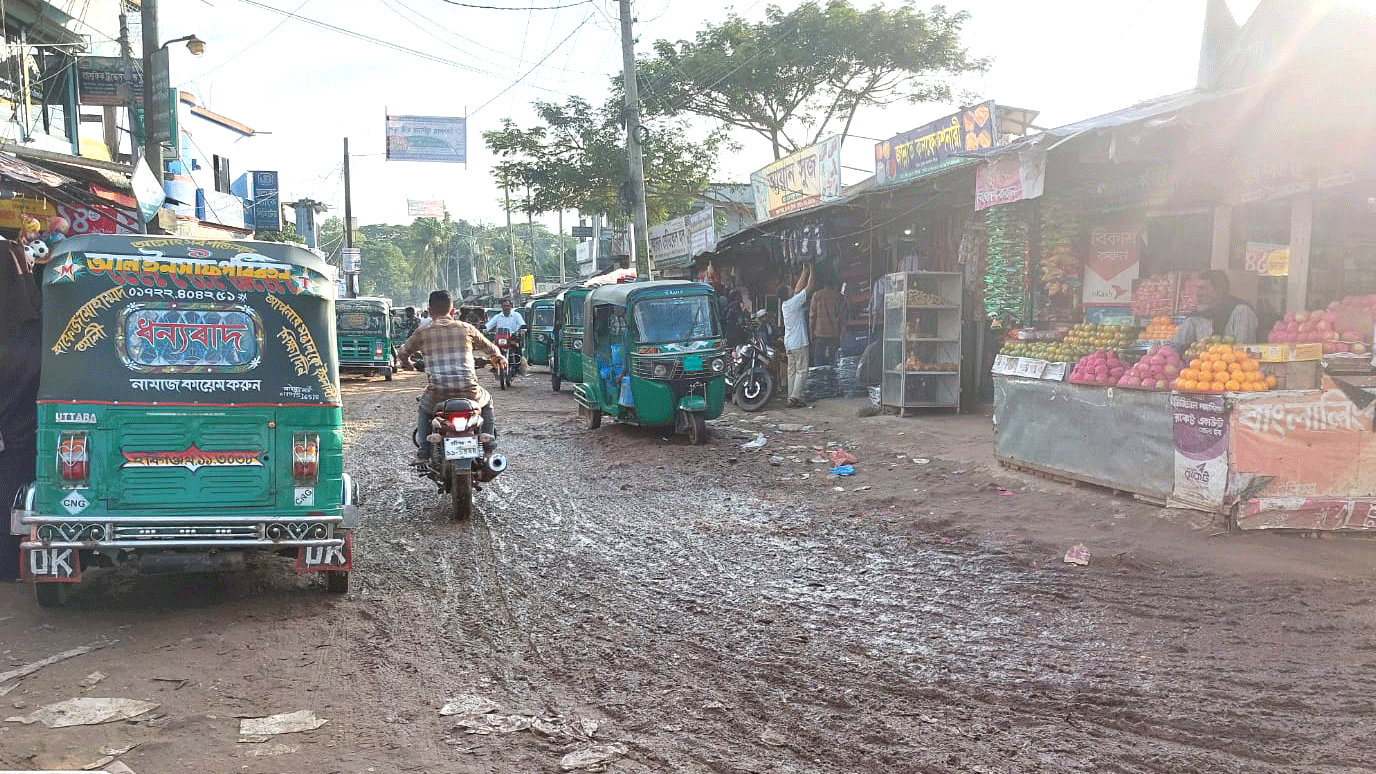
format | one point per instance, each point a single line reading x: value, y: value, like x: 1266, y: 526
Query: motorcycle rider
x: 448, y: 346
x: 512, y: 322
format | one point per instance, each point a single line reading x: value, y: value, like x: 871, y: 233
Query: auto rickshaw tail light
x: 74, y: 456
x: 305, y: 457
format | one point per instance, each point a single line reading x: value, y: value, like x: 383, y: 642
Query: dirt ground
x: 626, y: 598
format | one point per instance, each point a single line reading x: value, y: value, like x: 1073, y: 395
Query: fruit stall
x: 1275, y: 435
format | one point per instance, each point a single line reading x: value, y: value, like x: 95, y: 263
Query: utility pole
x: 152, y: 151
x: 127, y: 53
x: 530, y: 224
x: 510, y: 235
x: 562, y: 276
x: 644, y: 267
x: 349, y: 279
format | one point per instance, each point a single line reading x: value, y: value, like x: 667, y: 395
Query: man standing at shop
x: 795, y: 336
x: 1220, y: 314
x: 827, y: 314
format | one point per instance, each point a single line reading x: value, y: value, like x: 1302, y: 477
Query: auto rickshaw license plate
x: 692, y: 363
x: 461, y: 448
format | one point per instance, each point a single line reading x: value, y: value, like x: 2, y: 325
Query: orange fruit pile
x: 1160, y: 328
x: 1224, y: 368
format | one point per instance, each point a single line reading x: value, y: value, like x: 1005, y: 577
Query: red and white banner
x: 1010, y: 178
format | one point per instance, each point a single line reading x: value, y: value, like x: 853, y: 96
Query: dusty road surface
x: 628, y: 601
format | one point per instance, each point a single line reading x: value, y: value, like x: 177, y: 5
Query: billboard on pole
x: 427, y: 138
x: 425, y: 208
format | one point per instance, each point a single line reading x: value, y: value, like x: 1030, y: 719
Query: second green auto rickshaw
x: 567, y: 354
x: 364, y: 328
x: 539, y: 314
x: 653, y: 354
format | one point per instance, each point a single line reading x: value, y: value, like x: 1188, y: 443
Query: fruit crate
x: 922, y: 330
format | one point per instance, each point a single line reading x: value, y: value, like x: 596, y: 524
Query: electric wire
x: 551, y: 52
x: 509, y: 8
x: 288, y: 17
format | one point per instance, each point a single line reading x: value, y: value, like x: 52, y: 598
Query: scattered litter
x: 276, y: 748
x: 1005, y: 492
x: 494, y: 723
x: 861, y: 488
x: 843, y: 470
x: 805, y: 475
x: 578, y: 728
x: 838, y: 489
x: 468, y: 704
x: 1077, y: 554
x: 112, y: 751
x: 755, y: 444
x: 4, y: 689
x: 285, y: 723
x: 773, y: 738
x: 842, y: 457
x: 107, y: 760
x: 921, y: 461
x: 117, y: 767
x: 86, y: 712
x: 776, y: 460
x: 180, y: 681
x: 594, y: 755
x: 785, y: 427
x: 960, y: 472
x: 89, y: 681
x: 819, y: 460
x: 29, y: 669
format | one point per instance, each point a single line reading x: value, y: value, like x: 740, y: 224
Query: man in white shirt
x: 795, y: 336
x: 512, y: 322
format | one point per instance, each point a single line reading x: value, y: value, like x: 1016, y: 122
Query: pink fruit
x: 1172, y: 371
x: 1291, y: 326
x: 1323, y: 325
x: 1351, y: 336
x: 1299, y: 317
x: 1161, y: 384
x: 1130, y: 381
x: 1273, y: 337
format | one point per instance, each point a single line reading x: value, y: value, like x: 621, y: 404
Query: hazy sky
x: 310, y: 87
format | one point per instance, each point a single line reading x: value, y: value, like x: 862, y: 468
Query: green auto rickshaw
x: 188, y: 412
x: 364, y: 326
x: 539, y: 314
x: 404, y: 323
x: 653, y: 354
x: 568, y: 337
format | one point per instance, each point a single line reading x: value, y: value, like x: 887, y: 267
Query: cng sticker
x: 74, y: 502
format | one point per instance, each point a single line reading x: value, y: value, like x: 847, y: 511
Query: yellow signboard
x: 528, y: 284
x: 12, y: 210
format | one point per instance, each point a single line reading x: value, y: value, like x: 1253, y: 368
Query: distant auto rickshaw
x: 568, y: 337
x: 364, y: 328
x: 405, y: 321
x: 653, y: 354
x: 188, y: 413
x: 539, y: 315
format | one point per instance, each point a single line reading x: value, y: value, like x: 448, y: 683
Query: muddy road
x: 625, y: 598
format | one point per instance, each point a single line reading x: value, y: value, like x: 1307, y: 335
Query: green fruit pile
x: 1200, y: 347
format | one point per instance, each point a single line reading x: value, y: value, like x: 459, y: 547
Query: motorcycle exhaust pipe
x: 491, y: 467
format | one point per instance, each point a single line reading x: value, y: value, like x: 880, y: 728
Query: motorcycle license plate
x: 461, y: 448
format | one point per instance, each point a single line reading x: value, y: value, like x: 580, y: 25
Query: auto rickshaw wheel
x: 461, y: 493
x: 50, y: 594
x: 387, y: 373
x: 697, y: 428
x: 337, y: 581
x: 592, y: 418
x: 555, y: 382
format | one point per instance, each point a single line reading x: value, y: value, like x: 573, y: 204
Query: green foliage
x: 799, y: 76
x: 576, y: 159
x: 287, y: 235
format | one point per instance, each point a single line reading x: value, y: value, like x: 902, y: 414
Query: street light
x: 193, y: 44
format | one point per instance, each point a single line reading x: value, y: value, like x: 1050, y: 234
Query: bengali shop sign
x: 1112, y: 266
x: 805, y: 179
x: 934, y: 146
x: 1199, y: 426
x: 1010, y: 178
x: 1305, y: 443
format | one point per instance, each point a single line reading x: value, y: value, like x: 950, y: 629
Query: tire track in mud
x: 721, y: 632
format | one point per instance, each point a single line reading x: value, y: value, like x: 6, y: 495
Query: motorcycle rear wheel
x: 461, y: 493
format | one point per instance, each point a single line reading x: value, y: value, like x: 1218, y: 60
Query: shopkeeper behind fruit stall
x: 1220, y: 314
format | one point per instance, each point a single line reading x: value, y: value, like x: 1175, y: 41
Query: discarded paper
x: 468, y: 704
x: 86, y: 712
x: 276, y: 748
x: 29, y: 669
x: 759, y: 441
x: 89, y: 681
x: 1077, y: 554
x: 594, y: 755
x: 285, y: 723
x: 494, y: 723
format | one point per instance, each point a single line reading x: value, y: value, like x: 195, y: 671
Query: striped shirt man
x: 448, y: 346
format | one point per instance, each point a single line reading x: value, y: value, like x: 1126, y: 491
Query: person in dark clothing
x: 20, y: 348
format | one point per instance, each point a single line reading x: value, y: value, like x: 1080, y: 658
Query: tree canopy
x: 797, y: 77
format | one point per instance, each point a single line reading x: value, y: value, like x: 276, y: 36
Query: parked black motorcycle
x: 462, y: 456
x: 752, y: 370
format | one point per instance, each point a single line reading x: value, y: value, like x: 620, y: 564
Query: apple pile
x: 1345, y: 326
x: 1155, y: 371
x: 1101, y: 368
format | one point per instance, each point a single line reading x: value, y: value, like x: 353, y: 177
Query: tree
x: 576, y: 159
x: 287, y: 234
x: 797, y: 76
x: 432, y: 263
x: 385, y: 272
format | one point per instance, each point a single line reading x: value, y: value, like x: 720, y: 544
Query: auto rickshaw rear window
x: 360, y: 321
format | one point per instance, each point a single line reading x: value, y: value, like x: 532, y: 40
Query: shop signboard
x: 702, y: 231
x: 1266, y: 259
x: 427, y: 138
x: 351, y: 258
x: 267, y: 210
x: 99, y: 78
x: 934, y: 146
x: 669, y: 240
x: 1010, y: 178
x: 100, y: 219
x: 425, y: 208
x: 1304, y: 443
x: 220, y: 207
x: 1111, y: 267
x: 1199, y: 426
x: 805, y: 179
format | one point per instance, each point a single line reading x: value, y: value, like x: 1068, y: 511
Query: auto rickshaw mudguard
x: 692, y: 403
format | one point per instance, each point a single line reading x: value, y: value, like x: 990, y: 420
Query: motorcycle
x: 505, y: 341
x: 462, y: 456
x: 752, y: 371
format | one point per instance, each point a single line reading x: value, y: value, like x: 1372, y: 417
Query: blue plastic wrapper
x: 843, y: 470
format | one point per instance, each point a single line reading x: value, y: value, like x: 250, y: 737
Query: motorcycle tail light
x: 74, y: 457
x: 305, y: 457
x: 462, y: 422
